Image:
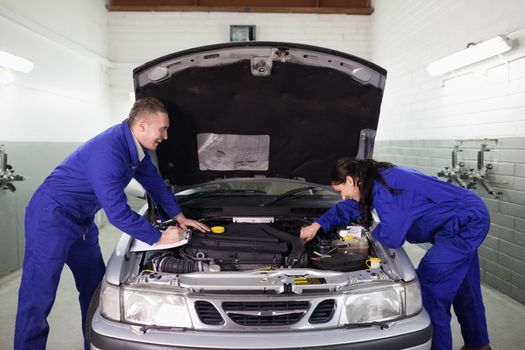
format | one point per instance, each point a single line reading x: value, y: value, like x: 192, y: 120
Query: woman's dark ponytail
x: 364, y: 172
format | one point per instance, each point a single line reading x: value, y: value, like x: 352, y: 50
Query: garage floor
x: 506, y: 317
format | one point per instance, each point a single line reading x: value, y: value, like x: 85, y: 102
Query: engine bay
x: 264, y: 245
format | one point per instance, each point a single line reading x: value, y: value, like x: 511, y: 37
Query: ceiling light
x: 473, y: 54
x: 19, y: 64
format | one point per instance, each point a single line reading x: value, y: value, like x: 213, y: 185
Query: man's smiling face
x: 152, y: 129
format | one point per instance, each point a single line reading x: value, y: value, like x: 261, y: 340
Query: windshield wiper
x: 216, y: 192
x: 289, y: 194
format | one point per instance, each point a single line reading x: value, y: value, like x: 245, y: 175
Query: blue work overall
x: 456, y: 221
x: 60, y: 229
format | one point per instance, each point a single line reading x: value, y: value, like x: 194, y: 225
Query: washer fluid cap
x: 217, y: 229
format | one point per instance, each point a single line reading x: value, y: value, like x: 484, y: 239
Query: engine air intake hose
x: 173, y: 265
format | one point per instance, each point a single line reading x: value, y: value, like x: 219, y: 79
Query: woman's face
x: 348, y: 189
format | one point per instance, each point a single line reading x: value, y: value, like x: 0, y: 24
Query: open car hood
x: 262, y: 108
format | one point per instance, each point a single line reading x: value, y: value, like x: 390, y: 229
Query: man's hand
x: 172, y: 234
x: 308, y: 233
x: 184, y: 222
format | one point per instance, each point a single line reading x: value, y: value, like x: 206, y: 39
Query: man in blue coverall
x: 59, y: 222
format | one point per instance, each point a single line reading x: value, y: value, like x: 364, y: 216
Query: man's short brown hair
x: 145, y: 105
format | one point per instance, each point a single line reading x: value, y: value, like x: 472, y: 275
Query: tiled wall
x: 65, y: 98
x: 485, y: 99
x: 34, y: 161
x: 46, y: 113
x: 502, y: 255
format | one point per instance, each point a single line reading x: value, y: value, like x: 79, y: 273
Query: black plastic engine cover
x: 245, y: 246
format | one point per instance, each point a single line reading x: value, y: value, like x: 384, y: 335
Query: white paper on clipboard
x: 139, y: 246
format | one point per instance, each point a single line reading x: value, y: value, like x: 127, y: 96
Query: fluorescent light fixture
x: 476, y: 53
x: 19, y: 64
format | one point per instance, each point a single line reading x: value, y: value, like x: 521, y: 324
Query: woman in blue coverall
x: 418, y: 208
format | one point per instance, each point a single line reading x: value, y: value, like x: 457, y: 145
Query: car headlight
x: 373, y: 304
x: 413, y: 301
x: 155, y: 307
x: 110, y: 301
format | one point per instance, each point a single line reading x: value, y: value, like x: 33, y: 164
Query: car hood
x: 262, y: 109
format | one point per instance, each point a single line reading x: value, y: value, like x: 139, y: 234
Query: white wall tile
x: 487, y: 101
x: 66, y: 97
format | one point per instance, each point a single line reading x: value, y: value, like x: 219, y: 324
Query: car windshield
x: 255, y: 187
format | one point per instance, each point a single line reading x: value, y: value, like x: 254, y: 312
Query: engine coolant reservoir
x: 350, y: 231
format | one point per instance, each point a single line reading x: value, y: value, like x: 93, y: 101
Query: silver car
x: 255, y: 129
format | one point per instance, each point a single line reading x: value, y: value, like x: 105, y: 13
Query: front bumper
x: 414, y: 333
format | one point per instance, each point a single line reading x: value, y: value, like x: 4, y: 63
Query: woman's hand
x: 184, y: 222
x: 308, y: 233
x: 172, y: 234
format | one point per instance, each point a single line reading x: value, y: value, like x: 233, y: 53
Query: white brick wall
x: 484, y: 100
x: 83, y: 22
x: 422, y: 116
x: 137, y: 37
x: 65, y: 97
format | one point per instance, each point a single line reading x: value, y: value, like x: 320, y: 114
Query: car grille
x: 323, y: 312
x: 208, y: 314
x: 260, y: 314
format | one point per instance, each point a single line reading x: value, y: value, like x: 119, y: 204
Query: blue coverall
x: 455, y: 221
x: 60, y: 228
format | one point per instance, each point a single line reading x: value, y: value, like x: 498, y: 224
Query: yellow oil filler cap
x: 217, y: 229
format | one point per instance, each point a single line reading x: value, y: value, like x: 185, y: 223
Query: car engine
x: 259, y: 246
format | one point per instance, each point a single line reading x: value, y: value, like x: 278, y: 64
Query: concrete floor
x: 505, y: 316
